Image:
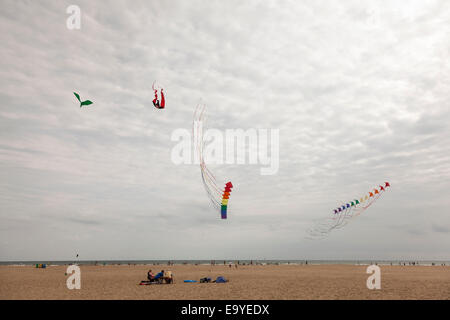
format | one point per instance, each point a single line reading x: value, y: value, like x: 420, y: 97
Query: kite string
x: 208, y: 179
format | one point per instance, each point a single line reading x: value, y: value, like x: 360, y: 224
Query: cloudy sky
x: 359, y: 90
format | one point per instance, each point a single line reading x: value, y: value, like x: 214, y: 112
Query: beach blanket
x: 146, y: 283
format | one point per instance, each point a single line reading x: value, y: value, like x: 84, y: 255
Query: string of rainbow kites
x: 344, y: 213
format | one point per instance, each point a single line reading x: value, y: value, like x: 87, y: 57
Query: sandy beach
x: 246, y: 282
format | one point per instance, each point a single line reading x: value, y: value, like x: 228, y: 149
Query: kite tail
x: 163, y: 101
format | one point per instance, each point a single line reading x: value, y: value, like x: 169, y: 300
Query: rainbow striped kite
x: 225, y: 197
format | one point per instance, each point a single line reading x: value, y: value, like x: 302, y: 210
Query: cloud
x: 441, y: 229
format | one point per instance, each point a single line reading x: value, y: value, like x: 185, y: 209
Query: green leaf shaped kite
x: 82, y: 103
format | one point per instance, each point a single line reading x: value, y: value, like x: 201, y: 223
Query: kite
x: 345, y: 212
x: 82, y: 103
x: 156, y: 102
x: 214, y: 192
x: 225, y: 197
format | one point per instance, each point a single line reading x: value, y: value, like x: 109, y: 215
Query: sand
x: 246, y: 282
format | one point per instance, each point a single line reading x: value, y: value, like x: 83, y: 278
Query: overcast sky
x: 360, y: 91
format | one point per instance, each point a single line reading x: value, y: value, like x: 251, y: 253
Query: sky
x: 359, y: 91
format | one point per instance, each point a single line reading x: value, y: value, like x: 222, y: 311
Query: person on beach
x: 150, y: 275
x: 159, y: 275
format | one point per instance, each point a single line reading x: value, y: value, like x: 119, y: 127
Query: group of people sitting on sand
x: 152, y: 277
x: 159, y: 277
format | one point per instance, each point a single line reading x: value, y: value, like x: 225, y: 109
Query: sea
x: 227, y: 262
